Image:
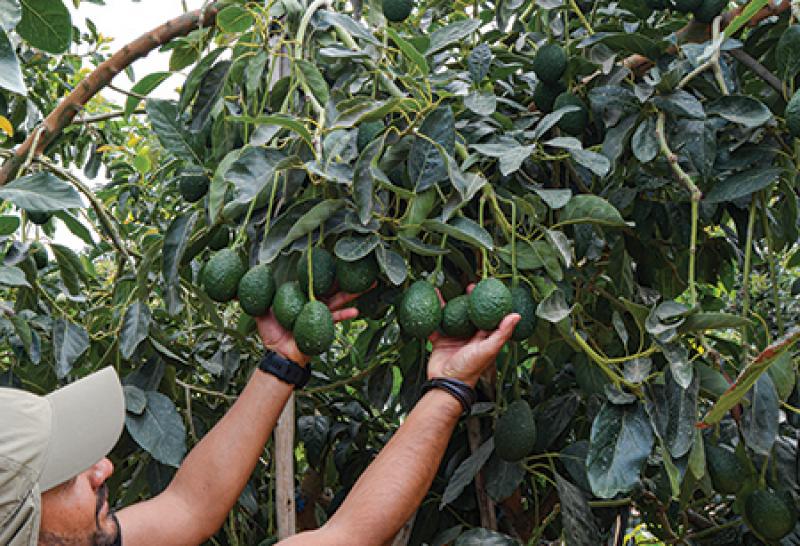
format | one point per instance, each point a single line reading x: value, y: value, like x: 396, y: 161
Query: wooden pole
x: 284, y: 479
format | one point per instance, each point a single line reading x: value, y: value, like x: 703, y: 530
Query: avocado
x: 724, y: 469
x: 324, y: 271
x: 550, y: 63
x: 220, y: 238
x: 685, y: 6
x: 356, y: 277
x: 419, y: 312
x: 367, y: 132
x: 455, y: 318
x: 313, y: 329
x: 397, y: 11
x: 709, y: 9
x: 523, y: 304
x: 39, y: 218
x: 515, y: 432
x: 792, y: 115
x: 256, y: 290
x: 769, y: 514
x: 222, y: 273
x: 39, y: 253
x: 287, y: 303
x: 573, y: 123
x: 489, y: 302
x: 544, y: 96
x: 193, y: 186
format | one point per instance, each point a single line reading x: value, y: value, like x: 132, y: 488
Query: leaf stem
x: 748, y: 254
x: 771, y: 262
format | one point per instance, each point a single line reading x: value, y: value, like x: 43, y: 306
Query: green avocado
x: 709, y: 9
x: 515, y: 432
x: 685, y: 6
x: 193, y: 186
x: 39, y: 218
x: 324, y: 268
x: 256, y: 290
x: 397, y: 10
x: 725, y: 469
x: 367, y: 132
x: 793, y: 115
x: 523, y: 304
x: 489, y: 302
x: 39, y: 253
x: 455, y: 318
x: 356, y: 277
x: 287, y: 303
x: 222, y: 273
x: 550, y: 63
x: 575, y: 122
x: 419, y: 312
x: 313, y: 329
x: 220, y: 238
x: 544, y: 96
x: 769, y: 514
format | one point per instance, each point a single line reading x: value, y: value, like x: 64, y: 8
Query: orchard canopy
x: 628, y: 166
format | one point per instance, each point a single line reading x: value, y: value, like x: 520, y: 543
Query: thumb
x: 495, y: 342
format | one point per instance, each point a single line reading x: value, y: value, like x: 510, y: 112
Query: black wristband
x: 285, y: 370
x: 462, y: 392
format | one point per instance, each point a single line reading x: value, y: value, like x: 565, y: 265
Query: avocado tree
x: 621, y: 173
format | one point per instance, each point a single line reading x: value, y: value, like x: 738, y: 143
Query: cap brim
x: 88, y: 416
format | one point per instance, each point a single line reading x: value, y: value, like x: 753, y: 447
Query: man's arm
x: 214, y: 473
x: 391, y: 488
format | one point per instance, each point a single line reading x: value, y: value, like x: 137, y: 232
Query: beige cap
x: 47, y: 440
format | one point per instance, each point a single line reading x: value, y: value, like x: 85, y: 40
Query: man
x: 53, y: 467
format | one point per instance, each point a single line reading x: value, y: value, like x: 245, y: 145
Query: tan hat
x: 47, y: 440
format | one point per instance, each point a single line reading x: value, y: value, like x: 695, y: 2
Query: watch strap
x: 462, y: 392
x: 284, y: 369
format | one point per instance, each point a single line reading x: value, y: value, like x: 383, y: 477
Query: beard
x: 101, y: 536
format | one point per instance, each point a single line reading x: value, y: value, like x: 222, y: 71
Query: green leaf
x: 701, y: 322
x: 70, y: 341
x: 175, y: 242
x: 484, y: 537
x: 372, y: 110
x: 451, y: 34
x: 466, y: 472
x: 10, y: 72
x: 787, y: 55
x: 678, y: 357
x: 331, y: 18
x: 462, y: 229
x: 41, y: 192
x: 8, y: 225
x: 783, y: 375
x: 418, y: 247
x: 70, y: 267
x: 355, y: 247
x: 533, y: 256
x: 409, y: 51
x: 644, y: 142
x: 742, y: 184
x: 12, y: 276
x: 135, y: 327
x: 740, y: 109
x: 312, y: 430
x: 580, y: 528
x: 482, y: 103
x: 363, y: 180
x: 554, y: 307
x: 280, y: 120
x: 144, y: 87
x: 10, y: 14
x: 502, y: 478
x: 75, y: 226
x: 234, y: 19
x: 479, y: 62
x: 392, y: 264
x: 192, y: 83
x: 135, y: 399
x: 426, y: 166
x: 591, y: 209
x: 680, y: 103
x: 315, y: 80
x: 744, y: 16
x: 621, y: 440
x: 761, y: 415
x: 208, y: 96
x: 313, y: 219
x: 631, y: 42
x: 46, y: 25
x: 159, y: 429
x: 510, y: 153
x: 253, y: 171
x: 164, y: 117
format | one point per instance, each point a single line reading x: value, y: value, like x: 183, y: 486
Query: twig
x: 104, y: 117
x: 208, y: 392
x: 122, y: 91
x: 759, y: 69
x: 712, y: 62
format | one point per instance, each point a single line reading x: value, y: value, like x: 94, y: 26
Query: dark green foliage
x: 709, y: 9
x: 656, y: 5
x: 39, y: 254
x: 419, y: 312
x: 193, y: 186
x: 725, y: 469
x: 573, y: 123
x: 769, y: 514
x: 545, y: 94
x: 455, y: 318
x: 313, y: 329
x: 793, y: 115
x: 685, y: 6
x: 367, y: 132
x: 489, y: 302
x: 397, y: 10
x: 523, y: 304
x: 39, y: 218
x: 220, y: 238
x: 289, y: 300
x: 324, y: 271
x: 246, y: 324
x: 356, y: 277
x: 256, y: 290
x: 550, y: 63
x: 515, y: 432
x: 222, y: 273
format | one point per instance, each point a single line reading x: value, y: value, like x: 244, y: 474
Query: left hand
x: 279, y: 339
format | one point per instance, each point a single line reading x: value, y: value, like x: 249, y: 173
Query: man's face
x: 76, y: 513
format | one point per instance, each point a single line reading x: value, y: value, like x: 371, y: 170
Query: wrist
x: 445, y: 402
x: 456, y: 389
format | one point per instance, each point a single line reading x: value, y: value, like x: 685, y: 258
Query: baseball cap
x: 47, y: 440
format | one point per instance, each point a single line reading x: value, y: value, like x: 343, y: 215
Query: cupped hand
x: 466, y: 359
x: 279, y: 339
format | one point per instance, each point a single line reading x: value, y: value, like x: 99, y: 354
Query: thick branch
x: 74, y: 102
x: 759, y: 69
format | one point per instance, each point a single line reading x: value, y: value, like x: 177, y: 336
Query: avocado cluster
x: 550, y: 65
x: 420, y: 312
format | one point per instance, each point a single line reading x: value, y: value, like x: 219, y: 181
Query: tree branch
x: 759, y: 69
x: 104, y: 117
x: 63, y: 115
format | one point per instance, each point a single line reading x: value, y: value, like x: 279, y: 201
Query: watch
x: 284, y: 369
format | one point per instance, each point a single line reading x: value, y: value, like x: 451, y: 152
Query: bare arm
x: 215, y: 472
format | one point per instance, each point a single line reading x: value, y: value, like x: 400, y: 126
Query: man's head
x: 49, y: 470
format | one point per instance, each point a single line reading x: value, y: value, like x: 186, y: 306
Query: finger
x: 339, y: 300
x: 434, y: 337
x: 345, y: 314
x: 470, y: 287
x: 495, y: 341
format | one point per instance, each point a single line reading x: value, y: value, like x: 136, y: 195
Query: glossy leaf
x: 10, y: 72
x: 426, y: 166
x: 70, y: 341
x: 467, y: 471
x: 135, y: 327
x: 41, y: 192
x: 159, y: 430
x: 46, y: 25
